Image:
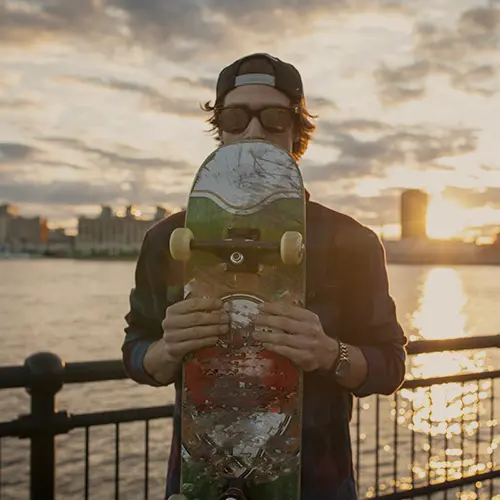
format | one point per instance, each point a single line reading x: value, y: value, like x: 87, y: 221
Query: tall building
x: 414, y: 214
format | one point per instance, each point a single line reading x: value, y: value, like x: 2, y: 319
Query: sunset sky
x: 99, y: 102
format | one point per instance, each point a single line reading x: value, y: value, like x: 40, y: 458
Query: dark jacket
x: 347, y: 287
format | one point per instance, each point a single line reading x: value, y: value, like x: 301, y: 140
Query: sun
x: 445, y: 219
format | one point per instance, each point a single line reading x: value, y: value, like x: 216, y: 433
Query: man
x: 347, y: 339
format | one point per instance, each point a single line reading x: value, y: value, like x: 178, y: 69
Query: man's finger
x: 280, y: 322
x: 194, y: 333
x: 285, y: 309
x: 191, y: 305
x: 294, y: 355
x: 199, y: 318
x: 184, y: 348
x: 281, y: 339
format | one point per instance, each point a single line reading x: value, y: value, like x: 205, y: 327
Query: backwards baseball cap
x: 286, y: 78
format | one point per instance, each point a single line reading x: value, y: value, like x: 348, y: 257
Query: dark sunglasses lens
x: 276, y: 119
x: 233, y: 120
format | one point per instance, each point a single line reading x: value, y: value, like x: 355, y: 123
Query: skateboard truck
x: 240, y: 250
x: 235, y: 490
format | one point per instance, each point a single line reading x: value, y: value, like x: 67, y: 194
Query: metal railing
x: 381, y: 467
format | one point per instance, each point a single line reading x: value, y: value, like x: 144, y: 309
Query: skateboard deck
x: 243, y: 242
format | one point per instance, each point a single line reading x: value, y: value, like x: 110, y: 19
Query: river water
x: 76, y: 309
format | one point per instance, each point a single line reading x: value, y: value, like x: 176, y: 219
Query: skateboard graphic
x: 243, y: 242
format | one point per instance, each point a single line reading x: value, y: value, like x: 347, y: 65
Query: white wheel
x: 180, y: 243
x: 292, y: 248
x: 176, y: 496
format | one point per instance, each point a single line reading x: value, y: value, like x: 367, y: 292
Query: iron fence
x: 434, y: 435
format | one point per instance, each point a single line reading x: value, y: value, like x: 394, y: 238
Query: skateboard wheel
x: 176, y: 496
x: 180, y: 243
x: 291, y: 248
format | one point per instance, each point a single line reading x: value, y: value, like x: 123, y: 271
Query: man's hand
x: 189, y: 325
x: 300, y: 338
x: 192, y: 324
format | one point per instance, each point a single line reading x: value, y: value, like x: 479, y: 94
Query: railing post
x: 45, y: 379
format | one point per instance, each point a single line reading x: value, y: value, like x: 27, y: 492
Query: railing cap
x: 45, y: 373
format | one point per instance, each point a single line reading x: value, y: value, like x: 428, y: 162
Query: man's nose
x: 254, y: 130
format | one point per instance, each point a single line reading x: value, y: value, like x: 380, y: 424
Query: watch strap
x: 343, y: 357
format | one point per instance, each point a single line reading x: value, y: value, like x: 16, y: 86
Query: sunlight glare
x: 439, y: 408
x: 445, y: 219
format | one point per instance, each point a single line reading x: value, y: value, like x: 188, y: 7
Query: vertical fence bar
x: 413, y: 440
x: 146, y: 460
x: 377, y: 445
x: 478, y: 420
x: 492, y: 431
x: 446, y: 457
x: 44, y: 375
x: 87, y: 453
x: 462, y: 435
x: 358, y: 438
x: 395, y: 451
x: 117, y: 461
x: 429, y: 443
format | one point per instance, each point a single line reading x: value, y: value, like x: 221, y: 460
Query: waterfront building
x: 114, y: 234
x: 21, y: 234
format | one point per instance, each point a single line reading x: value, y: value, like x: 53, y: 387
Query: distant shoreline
x: 407, y: 261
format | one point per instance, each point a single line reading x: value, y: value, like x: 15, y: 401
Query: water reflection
x: 453, y: 412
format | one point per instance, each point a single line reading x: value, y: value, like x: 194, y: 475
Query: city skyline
x: 414, y: 218
x: 407, y: 93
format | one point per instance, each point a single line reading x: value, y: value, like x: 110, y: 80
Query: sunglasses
x: 274, y: 119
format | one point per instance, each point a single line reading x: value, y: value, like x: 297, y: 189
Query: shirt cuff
x: 372, y: 383
x: 137, y: 370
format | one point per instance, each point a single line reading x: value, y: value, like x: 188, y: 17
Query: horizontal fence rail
x: 376, y: 458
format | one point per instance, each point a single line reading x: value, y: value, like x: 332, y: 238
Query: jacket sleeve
x: 147, y: 308
x: 370, y: 317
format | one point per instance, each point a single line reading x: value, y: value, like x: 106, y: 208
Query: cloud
x: 61, y: 164
x: 78, y: 193
x: 13, y: 152
x: 203, y: 83
x: 151, y: 98
x: 122, y: 179
x: 457, y: 53
x: 471, y: 198
x: 320, y: 104
x: 177, y: 29
x: 28, y: 22
x: 353, y: 124
x: 82, y: 193
x: 403, y: 83
x: 16, y: 104
x: 371, y: 210
x: 472, y: 80
x: 116, y: 159
x: 412, y: 147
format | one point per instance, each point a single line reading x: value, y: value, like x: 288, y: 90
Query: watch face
x: 342, y: 368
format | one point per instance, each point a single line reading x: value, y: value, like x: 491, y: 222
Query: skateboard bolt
x: 237, y: 258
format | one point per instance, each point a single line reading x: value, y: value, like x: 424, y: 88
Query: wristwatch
x: 343, y: 364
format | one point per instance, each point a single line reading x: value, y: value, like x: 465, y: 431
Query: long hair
x: 305, y: 127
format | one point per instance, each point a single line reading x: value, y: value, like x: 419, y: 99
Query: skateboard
x: 243, y: 242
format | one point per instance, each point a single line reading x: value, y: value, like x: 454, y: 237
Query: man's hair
x: 305, y: 127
